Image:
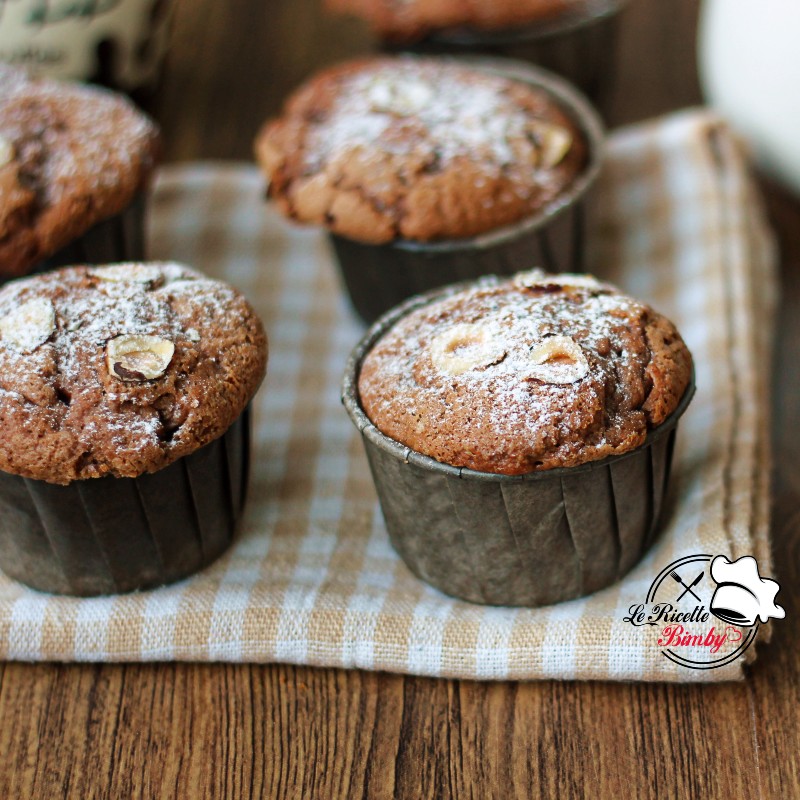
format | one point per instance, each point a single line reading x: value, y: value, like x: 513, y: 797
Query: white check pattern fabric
x: 312, y: 578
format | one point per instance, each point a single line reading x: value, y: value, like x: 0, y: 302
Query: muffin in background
x: 427, y: 171
x: 520, y: 433
x: 412, y: 20
x: 124, y: 435
x: 75, y: 164
x: 573, y: 38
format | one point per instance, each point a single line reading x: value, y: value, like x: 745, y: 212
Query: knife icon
x: 689, y: 587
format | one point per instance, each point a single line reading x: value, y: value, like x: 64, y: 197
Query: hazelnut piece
x: 559, y: 360
x: 137, y: 358
x: 129, y: 273
x: 28, y: 325
x: 402, y: 97
x: 465, y: 347
x: 6, y: 151
x: 536, y: 279
x: 554, y: 143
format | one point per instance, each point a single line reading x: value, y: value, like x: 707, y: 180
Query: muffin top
x: 526, y: 374
x: 420, y: 149
x: 70, y: 157
x: 121, y: 370
x: 413, y: 19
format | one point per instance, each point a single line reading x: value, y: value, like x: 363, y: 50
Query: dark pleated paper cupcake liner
x: 114, y: 535
x: 526, y: 540
x: 379, y: 277
x: 119, y: 238
x: 579, y: 45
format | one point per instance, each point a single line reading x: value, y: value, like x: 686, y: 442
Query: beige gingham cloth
x: 313, y: 579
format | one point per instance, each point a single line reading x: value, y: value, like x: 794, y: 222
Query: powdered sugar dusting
x: 66, y: 136
x: 134, y: 363
x: 416, y: 107
x: 28, y: 325
x: 515, y: 410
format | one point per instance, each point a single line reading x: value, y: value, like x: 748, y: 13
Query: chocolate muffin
x: 122, y: 395
x: 445, y: 162
x: 385, y: 149
x: 74, y: 164
x: 534, y: 373
x: 520, y: 433
x: 576, y: 39
x: 412, y: 19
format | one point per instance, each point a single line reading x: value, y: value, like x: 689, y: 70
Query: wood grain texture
x: 212, y: 731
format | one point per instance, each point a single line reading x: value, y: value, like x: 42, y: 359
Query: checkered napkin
x: 313, y: 579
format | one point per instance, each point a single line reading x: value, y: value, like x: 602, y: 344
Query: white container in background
x: 749, y: 57
x: 118, y: 42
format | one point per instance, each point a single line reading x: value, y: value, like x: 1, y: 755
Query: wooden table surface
x: 211, y: 731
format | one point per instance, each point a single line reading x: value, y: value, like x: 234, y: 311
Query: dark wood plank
x: 656, y: 62
x: 775, y: 691
x: 203, y: 731
x: 210, y: 731
x: 232, y: 65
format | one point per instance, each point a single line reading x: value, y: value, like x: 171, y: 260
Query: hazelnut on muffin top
x: 412, y: 19
x: 419, y: 149
x: 70, y: 156
x: 121, y: 370
x: 526, y: 374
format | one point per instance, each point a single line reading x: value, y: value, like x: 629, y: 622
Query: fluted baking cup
x: 378, y: 277
x: 118, y: 238
x: 580, y: 44
x: 113, y: 535
x: 522, y: 540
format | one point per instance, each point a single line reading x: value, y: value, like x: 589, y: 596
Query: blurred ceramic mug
x: 120, y: 43
x: 749, y: 60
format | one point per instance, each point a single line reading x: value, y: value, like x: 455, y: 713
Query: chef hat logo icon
x: 742, y: 596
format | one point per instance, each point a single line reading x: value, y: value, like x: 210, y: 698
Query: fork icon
x: 686, y: 588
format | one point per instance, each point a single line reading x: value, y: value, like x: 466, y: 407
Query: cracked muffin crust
x: 418, y: 149
x: 527, y: 374
x: 71, y: 156
x: 121, y: 370
x: 408, y: 20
